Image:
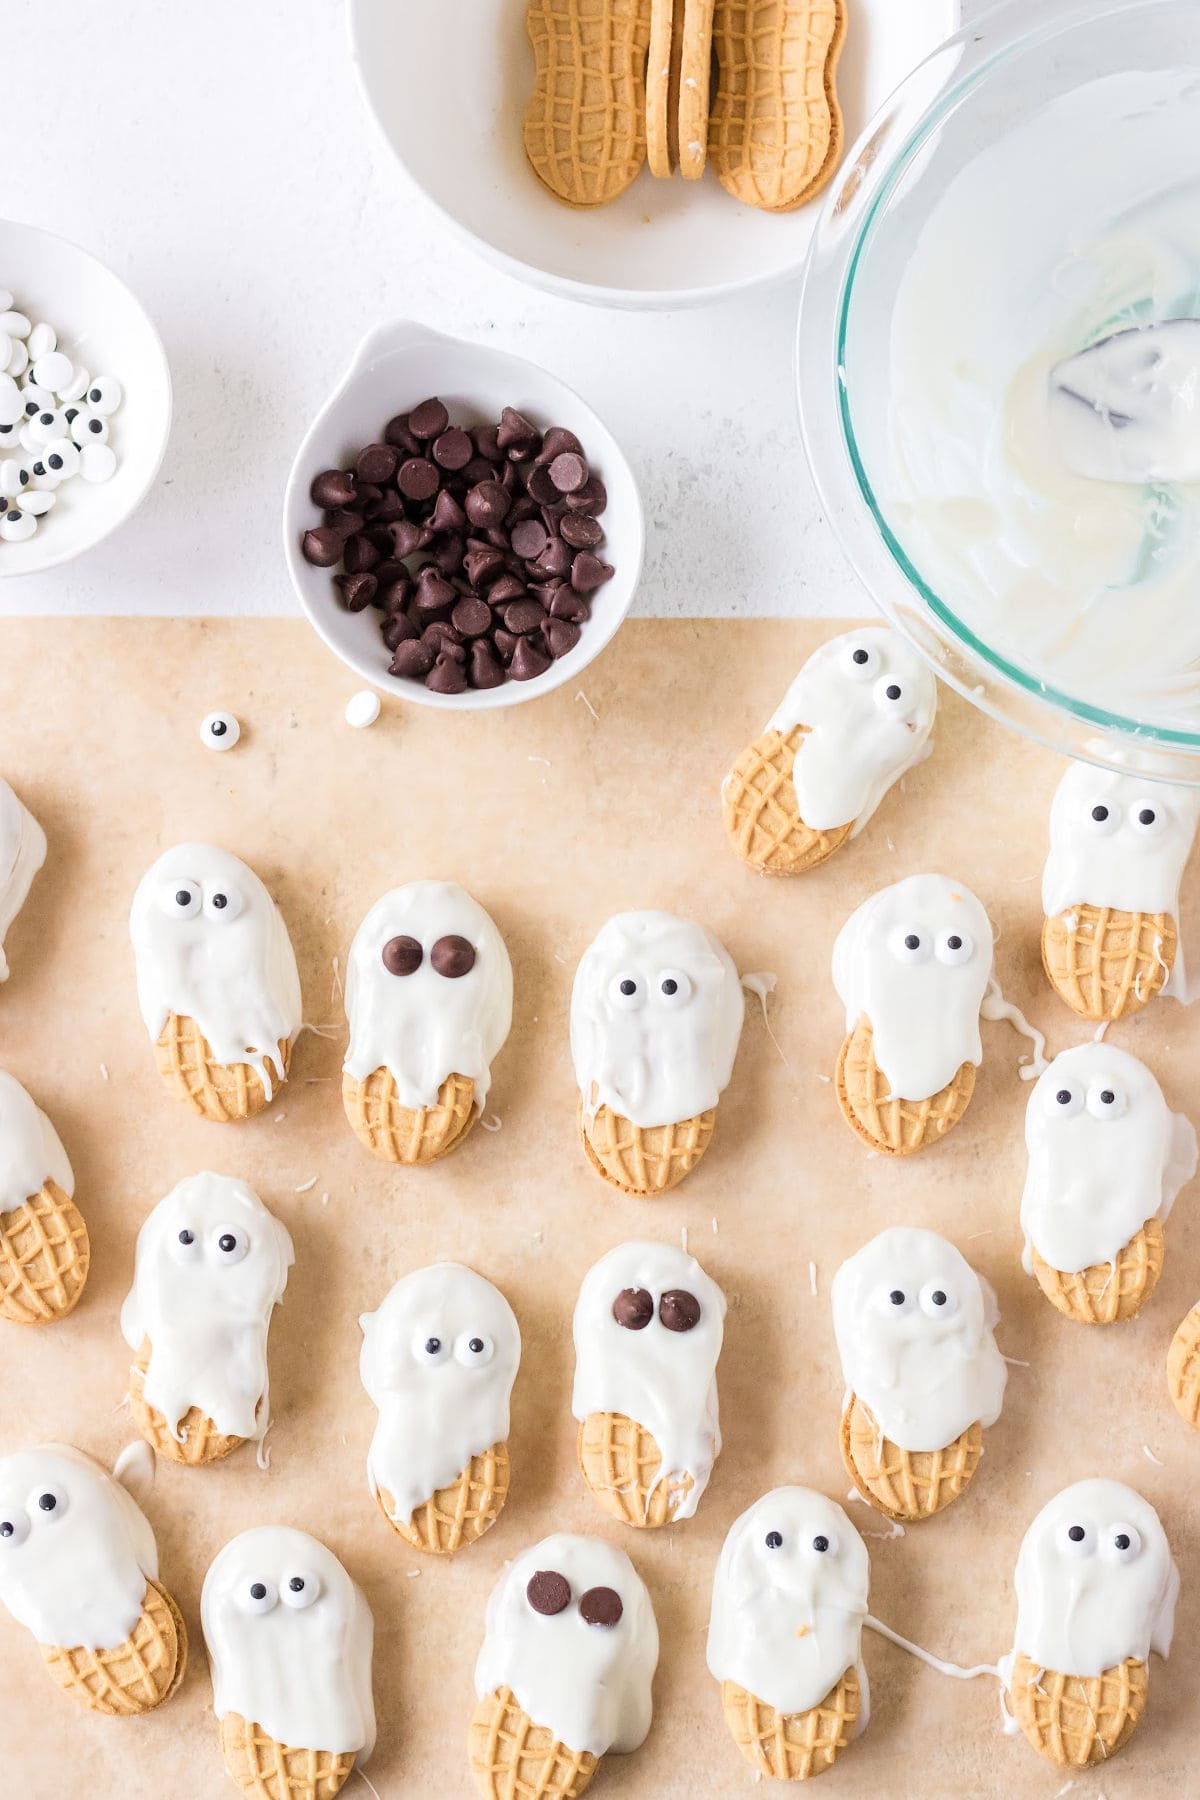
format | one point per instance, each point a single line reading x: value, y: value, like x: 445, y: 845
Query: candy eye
x: 895, y: 1300
x: 627, y: 992
x: 860, y: 662
x: 633, y: 1309
x: 14, y: 1527
x: 824, y: 1544
x: 104, y: 395
x: 16, y: 525
x: 224, y: 903
x: 1102, y: 818
x: 548, y: 1592
x: 1105, y: 1100
x: 453, y: 957
x: 1066, y: 1100
x: 299, y: 1590
x: 674, y: 987
x: 429, y: 1348
x: 257, y: 1597
x: 774, y: 1540
x: 909, y: 945
x: 601, y: 1606
x: 34, y: 400
x: 938, y: 1301
x: 229, y: 1246
x: 402, y: 956
x: 678, y: 1310
x: 184, y: 1245
x: 474, y: 1349
x: 181, y: 899
x: 61, y: 458
x: 954, y: 948
x: 1148, y: 817
x: 46, y: 1505
x: 15, y: 476
x: 1077, y: 1539
x: 1121, y: 1544
x: 891, y: 697
x: 88, y: 427
x: 218, y: 730
x: 45, y: 426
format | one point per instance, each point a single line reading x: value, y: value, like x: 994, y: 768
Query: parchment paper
x: 554, y: 818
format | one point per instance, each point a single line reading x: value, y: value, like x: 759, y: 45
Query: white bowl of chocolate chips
x: 460, y: 527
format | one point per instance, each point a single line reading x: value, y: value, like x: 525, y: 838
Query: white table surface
x: 220, y: 159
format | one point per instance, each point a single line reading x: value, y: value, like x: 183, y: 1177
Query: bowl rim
x: 58, y: 557
x: 394, y: 337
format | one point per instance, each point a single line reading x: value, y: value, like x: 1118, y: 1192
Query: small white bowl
x: 394, y: 369
x: 447, y: 82
x: 106, y: 329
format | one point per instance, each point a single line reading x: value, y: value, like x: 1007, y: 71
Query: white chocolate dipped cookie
x: 217, y: 981
x: 439, y: 1358
x: 648, y: 1329
x: 656, y: 1015
x: 1096, y: 1592
x: 785, y: 1634
x: 924, y: 1379
x: 289, y: 1638
x: 565, y: 1671
x: 22, y: 853
x: 1107, y: 1157
x: 44, y: 1249
x: 429, y: 992
x: 912, y: 967
x: 1110, y: 890
x: 855, y: 720
x: 211, y: 1266
x: 79, y: 1569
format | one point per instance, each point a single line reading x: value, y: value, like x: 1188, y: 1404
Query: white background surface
x: 220, y: 159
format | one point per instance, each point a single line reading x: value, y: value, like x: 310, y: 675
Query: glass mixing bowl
x: 956, y: 113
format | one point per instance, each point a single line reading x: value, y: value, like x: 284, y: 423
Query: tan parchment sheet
x: 555, y: 815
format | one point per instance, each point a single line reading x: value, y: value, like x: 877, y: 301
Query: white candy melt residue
x: 789, y: 1600
x: 1095, y: 1582
x: 438, y: 1359
x: 915, y: 960
x: 22, y: 853
x: 294, y: 1658
x: 915, y: 1331
x: 422, y: 1025
x: 31, y: 1151
x: 74, y: 1568
x: 868, y: 701
x: 211, y: 1265
x: 1106, y: 1154
x: 210, y: 944
x: 587, y: 1684
x: 1128, y: 407
x: 656, y: 1014
x: 664, y: 1380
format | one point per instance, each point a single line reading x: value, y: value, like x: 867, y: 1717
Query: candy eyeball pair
x: 629, y: 991
x: 45, y: 1506
x: 1102, y: 1100
x: 937, y: 1300
x: 821, y: 1544
x: 1146, y: 816
x: 862, y: 663
x: 223, y: 1248
x: 914, y: 944
x: 1119, y: 1543
x: 299, y: 1590
x: 471, y: 1349
x: 183, y: 899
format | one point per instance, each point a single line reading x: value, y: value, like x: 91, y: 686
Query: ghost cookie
x: 1110, y: 890
x: 656, y: 1014
x: 44, y: 1249
x: 1096, y: 1592
x: 211, y: 1265
x: 1107, y: 1157
x: 564, y: 1674
x: 648, y: 1329
x: 79, y: 1569
x: 439, y: 1359
x: 429, y: 1000
x: 785, y: 1634
x: 923, y: 1377
x: 857, y: 717
x: 912, y: 966
x: 217, y: 981
x: 22, y: 853
x: 289, y: 1638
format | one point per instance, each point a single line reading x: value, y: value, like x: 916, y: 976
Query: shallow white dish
x: 105, y: 328
x: 394, y: 369
x: 663, y: 243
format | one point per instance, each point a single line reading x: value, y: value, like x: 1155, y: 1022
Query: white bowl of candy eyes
x: 85, y: 401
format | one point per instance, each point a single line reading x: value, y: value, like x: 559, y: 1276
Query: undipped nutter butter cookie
x: 656, y: 1014
x: 1107, y: 1158
x: 585, y: 125
x: 289, y: 1638
x: 22, y: 853
x: 217, y: 981
x: 1110, y: 890
x: 439, y: 1359
x: 44, y: 1249
x: 855, y: 720
x: 775, y: 134
x: 785, y: 1633
x: 564, y: 1675
x: 79, y: 1569
x: 429, y: 1003
x: 915, y: 1328
x: 1096, y: 1592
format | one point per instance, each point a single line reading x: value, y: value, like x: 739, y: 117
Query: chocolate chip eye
x: 678, y: 1310
x: 633, y: 1308
x: 1100, y: 814
x: 892, y: 691
x: 859, y: 656
x: 1064, y: 1096
x: 1076, y: 1533
x: 820, y: 1545
x: 433, y: 1346
x: 453, y: 957
x: 402, y: 955
x: 601, y: 1606
x: 548, y: 1592
x: 897, y: 1296
x: 186, y: 1236
x: 47, y: 1502
x: 938, y: 1298
x: 774, y: 1540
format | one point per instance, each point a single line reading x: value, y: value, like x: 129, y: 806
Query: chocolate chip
x: 528, y: 538
x: 522, y: 616
x: 418, y: 478
x: 477, y: 470
x: 506, y: 645
x: 433, y: 591
x: 484, y: 671
x: 377, y: 463
x: 359, y: 554
x: 387, y: 509
x: 548, y: 1592
x: 447, y: 676
x: 591, y: 498
x: 556, y: 441
x: 396, y: 594
x: 453, y: 450
x: 633, y: 1308
x: 398, y: 434
x: 568, y: 472
x: 486, y: 439
x: 678, y: 1310
x: 406, y: 538
x: 448, y: 515
x: 508, y: 587
x: 556, y: 559
x: 588, y: 572
x: 569, y: 605
x: 332, y: 487
x: 322, y: 547
x: 453, y: 957
x: 346, y: 520
x: 441, y: 636
x: 396, y: 631
x: 472, y: 617
x: 560, y: 636
x: 358, y: 591
x: 601, y: 1606
x: 515, y: 432
x: 402, y: 955
x: 540, y: 486
x: 581, y: 531
x: 449, y: 555
x: 483, y: 565
x: 428, y: 420
x: 487, y: 504
x: 412, y: 658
